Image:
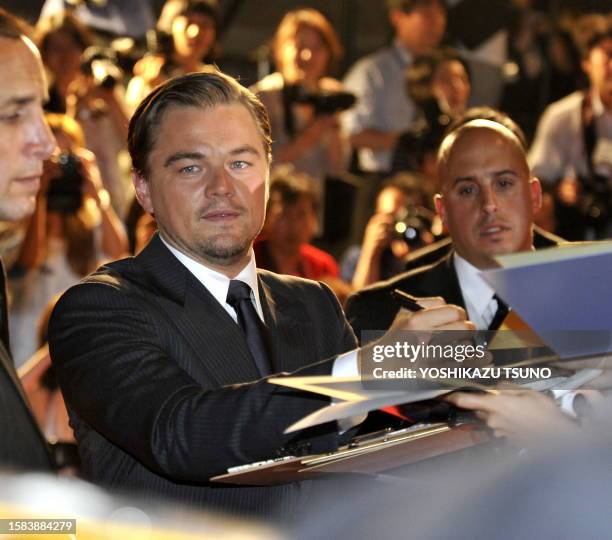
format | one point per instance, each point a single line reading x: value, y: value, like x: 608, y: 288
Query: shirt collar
x: 596, y: 105
x: 217, y: 283
x: 404, y: 54
x: 475, y: 290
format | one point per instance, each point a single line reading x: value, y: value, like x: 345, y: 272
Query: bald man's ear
x: 536, y: 194
x: 143, y: 194
x: 439, y: 202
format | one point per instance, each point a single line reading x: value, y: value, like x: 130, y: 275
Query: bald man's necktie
x: 239, y: 297
x: 500, y: 314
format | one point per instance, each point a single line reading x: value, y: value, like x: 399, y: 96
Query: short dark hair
x: 205, y: 89
x: 315, y: 20
x: 12, y: 27
x: 420, y: 74
x: 590, y: 30
x: 291, y: 186
x: 411, y: 184
x: 65, y: 23
x: 408, y: 5
x: 203, y: 7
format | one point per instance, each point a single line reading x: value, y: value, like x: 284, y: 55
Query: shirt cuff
x: 346, y: 365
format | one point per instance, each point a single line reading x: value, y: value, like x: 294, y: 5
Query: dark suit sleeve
x: 349, y: 341
x: 108, y: 350
x: 359, y: 312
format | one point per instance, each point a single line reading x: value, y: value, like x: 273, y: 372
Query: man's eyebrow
x: 459, y: 179
x: 19, y: 101
x: 247, y: 148
x: 505, y: 172
x: 182, y: 155
x: 471, y: 178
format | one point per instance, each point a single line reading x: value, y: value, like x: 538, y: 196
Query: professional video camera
x: 324, y: 102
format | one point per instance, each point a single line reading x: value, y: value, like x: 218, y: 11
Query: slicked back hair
x: 206, y: 89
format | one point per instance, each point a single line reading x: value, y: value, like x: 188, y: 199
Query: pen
x: 406, y: 300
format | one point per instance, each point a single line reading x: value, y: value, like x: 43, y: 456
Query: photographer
x: 96, y: 100
x: 305, y: 126
x: 439, y: 85
x: 400, y: 224
x: 573, y: 142
x: 61, y: 39
x: 73, y: 227
x: 185, y: 43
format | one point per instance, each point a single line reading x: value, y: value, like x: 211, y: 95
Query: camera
x: 595, y: 203
x: 101, y: 65
x: 65, y: 192
x: 324, y: 102
x: 412, y: 225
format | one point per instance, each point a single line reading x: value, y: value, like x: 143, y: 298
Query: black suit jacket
x: 22, y: 444
x: 374, y: 308
x: 436, y: 251
x: 153, y: 370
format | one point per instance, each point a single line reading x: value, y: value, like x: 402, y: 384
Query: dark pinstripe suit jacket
x: 147, y: 360
x: 22, y: 444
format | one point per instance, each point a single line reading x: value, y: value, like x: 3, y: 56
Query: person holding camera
x: 438, y: 83
x: 572, y: 148
x: 400, y: 224
x: 185, y: 42
x: 302, y: 100
x: 97, y: 102
x: 73, y: 227
x: 62, y: 39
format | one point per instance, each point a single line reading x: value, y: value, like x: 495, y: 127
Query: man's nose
x: 488, y: 200
x: 219, y: 182
x: 41, y: 143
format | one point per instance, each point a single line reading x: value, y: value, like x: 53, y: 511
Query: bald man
x: 487, y: 198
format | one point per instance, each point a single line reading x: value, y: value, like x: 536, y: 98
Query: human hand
x: 436, y: 315
x: 413, y: 331
x: 524, y: 417
x: 378, y: 233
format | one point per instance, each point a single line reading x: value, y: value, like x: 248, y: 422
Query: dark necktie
x: 500, y: 315
x: 239, y: 297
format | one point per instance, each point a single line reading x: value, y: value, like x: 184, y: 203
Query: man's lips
x: 493, y: 229
x: 221, y: 215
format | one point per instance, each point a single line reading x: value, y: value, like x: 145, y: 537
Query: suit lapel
x: 220, y: 352
x: 7, y: 365
x: 289, y: 327
x: 442, y: 280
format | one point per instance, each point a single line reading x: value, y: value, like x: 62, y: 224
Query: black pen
x: 406, y: 300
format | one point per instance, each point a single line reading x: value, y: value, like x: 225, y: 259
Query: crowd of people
x: 200, y: 202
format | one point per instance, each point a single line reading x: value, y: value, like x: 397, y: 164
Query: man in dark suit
x: 487, y: 200
x: 164, y: 389
x: 25, y: 141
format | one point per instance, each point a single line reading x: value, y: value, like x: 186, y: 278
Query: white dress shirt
x: 217, y: 284
x: 477, y: 293
x: 345, y: 365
